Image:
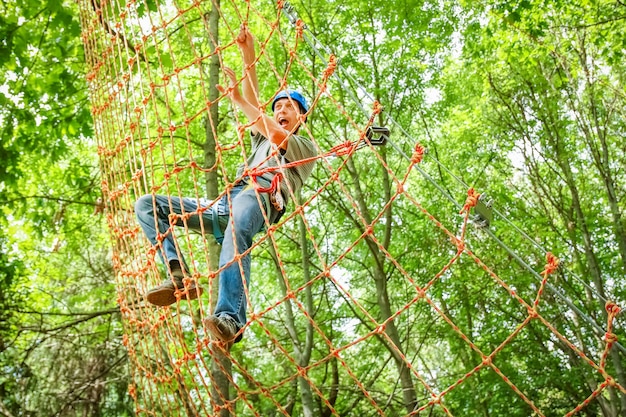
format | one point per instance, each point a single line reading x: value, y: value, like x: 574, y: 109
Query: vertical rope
x: 149, y: 95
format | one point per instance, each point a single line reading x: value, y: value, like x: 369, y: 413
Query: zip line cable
x: 291, y: 14
x: 317, y: 46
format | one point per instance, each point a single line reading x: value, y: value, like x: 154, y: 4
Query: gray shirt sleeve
x: 299, y: 148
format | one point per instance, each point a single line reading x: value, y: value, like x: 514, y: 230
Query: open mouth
x: 283, y: 122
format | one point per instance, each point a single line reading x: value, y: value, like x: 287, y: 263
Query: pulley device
x: 377, y: 135
x: 483, y: 212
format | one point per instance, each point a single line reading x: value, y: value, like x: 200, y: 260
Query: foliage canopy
x: 521, y: 100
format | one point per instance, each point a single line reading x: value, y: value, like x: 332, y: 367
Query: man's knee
x: 144, y: 205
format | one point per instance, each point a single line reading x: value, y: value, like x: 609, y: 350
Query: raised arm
x: 245, y: 41
x: 262, y: 123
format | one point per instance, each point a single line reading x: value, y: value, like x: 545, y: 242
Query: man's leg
x: 145, y: 207
x: 230, y: 312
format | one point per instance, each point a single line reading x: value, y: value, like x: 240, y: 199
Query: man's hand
x: 250, y: 84
x: 233, y: 90
x: 245, y: 41
x: 259, y: 121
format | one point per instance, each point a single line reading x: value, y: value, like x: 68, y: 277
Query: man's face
x: 287, y: 113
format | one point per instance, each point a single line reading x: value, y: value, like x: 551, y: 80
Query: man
x: 275, y: 143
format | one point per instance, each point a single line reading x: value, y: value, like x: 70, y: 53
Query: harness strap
x: 266, y: 192
x: 272, y: 191
x: 266, y: 197
x: 274, y: 185
x: 217, y: 231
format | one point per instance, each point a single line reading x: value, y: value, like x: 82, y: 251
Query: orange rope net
x: 344, y: 317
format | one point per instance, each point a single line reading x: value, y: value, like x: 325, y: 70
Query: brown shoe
x: 165, y: 294
x: 223, y: 329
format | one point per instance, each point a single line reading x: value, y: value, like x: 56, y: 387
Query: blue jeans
x: 246, y: 220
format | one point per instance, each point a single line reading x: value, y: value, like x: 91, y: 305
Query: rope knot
x: 472, y: 199
x: 460, y: 244
x: 299, y: 28
x: 532, y: 312
x: 342, y: 149
x: 274, y: 185
x: 132, y: 391
x: 418, y: 153
x: 376, y: 108
x: 332, y: 66
x: 612, y: 308
x: 552, y: 264
x: 610, y: 338
x: 173, y: 218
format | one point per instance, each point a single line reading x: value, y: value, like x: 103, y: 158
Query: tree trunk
x: 602, y: 162
x: 556, y: 154
x: 221, y: 366
x: 181, y: 388
x: 334, y: 389
x: 305, y: 353
x: 592, y: 260
x: 302, y: 352
x: 382, y: 294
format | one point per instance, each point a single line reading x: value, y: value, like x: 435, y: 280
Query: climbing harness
x: 273, y: 190
x: 271, y: 193
x: 217, y: 231
x: 271, y: 196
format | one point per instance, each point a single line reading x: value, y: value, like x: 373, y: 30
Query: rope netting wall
x: 344, y: 316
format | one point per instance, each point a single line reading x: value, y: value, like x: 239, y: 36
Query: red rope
x: 274, y: 185
x: 146, y: 112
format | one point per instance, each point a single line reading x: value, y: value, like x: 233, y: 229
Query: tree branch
x: 47, y: 197
x: 78, y: 393
x: 5, y: 411
x: 86, y: 317
x: 52, y: 313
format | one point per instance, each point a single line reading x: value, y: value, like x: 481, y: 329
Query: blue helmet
x: 295, y: 96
